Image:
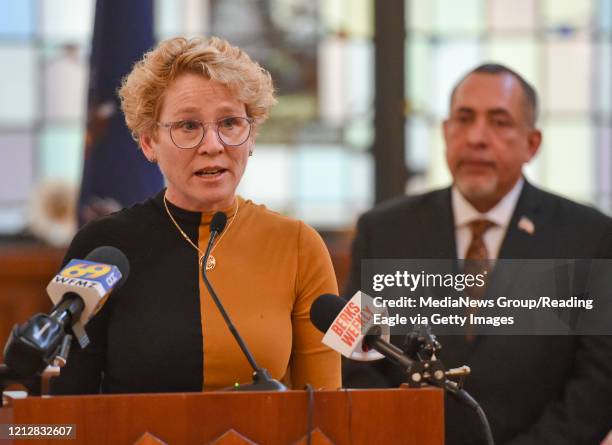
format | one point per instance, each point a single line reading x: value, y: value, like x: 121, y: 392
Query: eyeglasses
x: 231, y: 131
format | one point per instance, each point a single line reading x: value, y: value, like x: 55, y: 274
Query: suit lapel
x: 525, y: 237
x: 440, y: 224
x: 519, y: 243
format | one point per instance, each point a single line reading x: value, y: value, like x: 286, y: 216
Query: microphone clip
x: 426, y: 371
x: 421, y: 346
x: 79, y: 331
x: 421, y: 343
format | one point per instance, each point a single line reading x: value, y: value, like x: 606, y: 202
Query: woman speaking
x: 195, y: 107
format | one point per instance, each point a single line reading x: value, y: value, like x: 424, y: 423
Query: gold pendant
x: 211, y: 262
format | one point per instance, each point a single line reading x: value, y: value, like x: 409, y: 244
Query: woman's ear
x: 251, y: 142
x: 146, y: 143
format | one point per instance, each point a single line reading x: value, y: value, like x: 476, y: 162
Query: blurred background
x: 362, y: 87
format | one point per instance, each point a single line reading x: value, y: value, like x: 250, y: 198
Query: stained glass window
x: 16, y: 165
x: 19, y: 93
x: 562, y: 47
x: 17, y: 20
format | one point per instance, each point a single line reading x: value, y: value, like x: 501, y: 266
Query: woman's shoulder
x: 121, y: 229
x: 261, y: 215
x: 277, y: 224
x: 125, y: 220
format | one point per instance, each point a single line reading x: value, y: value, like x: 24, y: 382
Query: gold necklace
x: 211, y: 262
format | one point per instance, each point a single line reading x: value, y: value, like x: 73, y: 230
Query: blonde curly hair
x: 142, y: 90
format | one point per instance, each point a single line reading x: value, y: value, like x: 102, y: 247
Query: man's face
x: 488, y: 137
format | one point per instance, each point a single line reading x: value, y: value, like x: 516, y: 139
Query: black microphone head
x: 217, y: 224
x: 324, y: 311
x: 114, y: 257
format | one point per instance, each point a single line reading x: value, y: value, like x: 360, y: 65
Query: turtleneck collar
x: 188, y: 216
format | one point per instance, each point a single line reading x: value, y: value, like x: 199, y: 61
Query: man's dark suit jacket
x: 535, y: 389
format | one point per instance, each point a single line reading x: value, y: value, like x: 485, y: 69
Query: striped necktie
x: 476, y: 262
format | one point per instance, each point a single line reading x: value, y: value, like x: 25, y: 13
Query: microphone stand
x: 262, y: 381
x: 33, y: 381
x: 9, y: 377
x: 419, y: 362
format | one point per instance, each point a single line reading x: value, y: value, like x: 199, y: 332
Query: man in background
x: 534, y: 389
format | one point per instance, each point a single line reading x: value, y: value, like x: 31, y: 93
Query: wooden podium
x: 390, y: 416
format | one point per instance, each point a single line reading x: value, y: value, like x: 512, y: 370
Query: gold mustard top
x: 269, y: 270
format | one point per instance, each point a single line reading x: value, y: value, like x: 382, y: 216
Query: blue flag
x: 115, y: 173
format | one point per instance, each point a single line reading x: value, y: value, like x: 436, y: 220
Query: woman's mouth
x: 210, y: 172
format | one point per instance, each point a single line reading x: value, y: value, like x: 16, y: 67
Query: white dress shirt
x: 464, y: 213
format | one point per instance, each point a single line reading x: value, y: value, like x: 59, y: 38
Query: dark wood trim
x: 389, y: 121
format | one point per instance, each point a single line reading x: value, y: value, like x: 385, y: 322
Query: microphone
x: 349, y: 329
x: 346, y: 325
x: 262, y: 381
x: 79, y: 290
x: 217, y: 224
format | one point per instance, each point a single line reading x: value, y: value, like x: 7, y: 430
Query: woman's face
x: 203, y: 178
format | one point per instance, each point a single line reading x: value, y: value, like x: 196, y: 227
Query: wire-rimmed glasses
x: 231, y: 131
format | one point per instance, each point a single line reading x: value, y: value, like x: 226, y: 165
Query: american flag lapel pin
x: 526, y: 225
